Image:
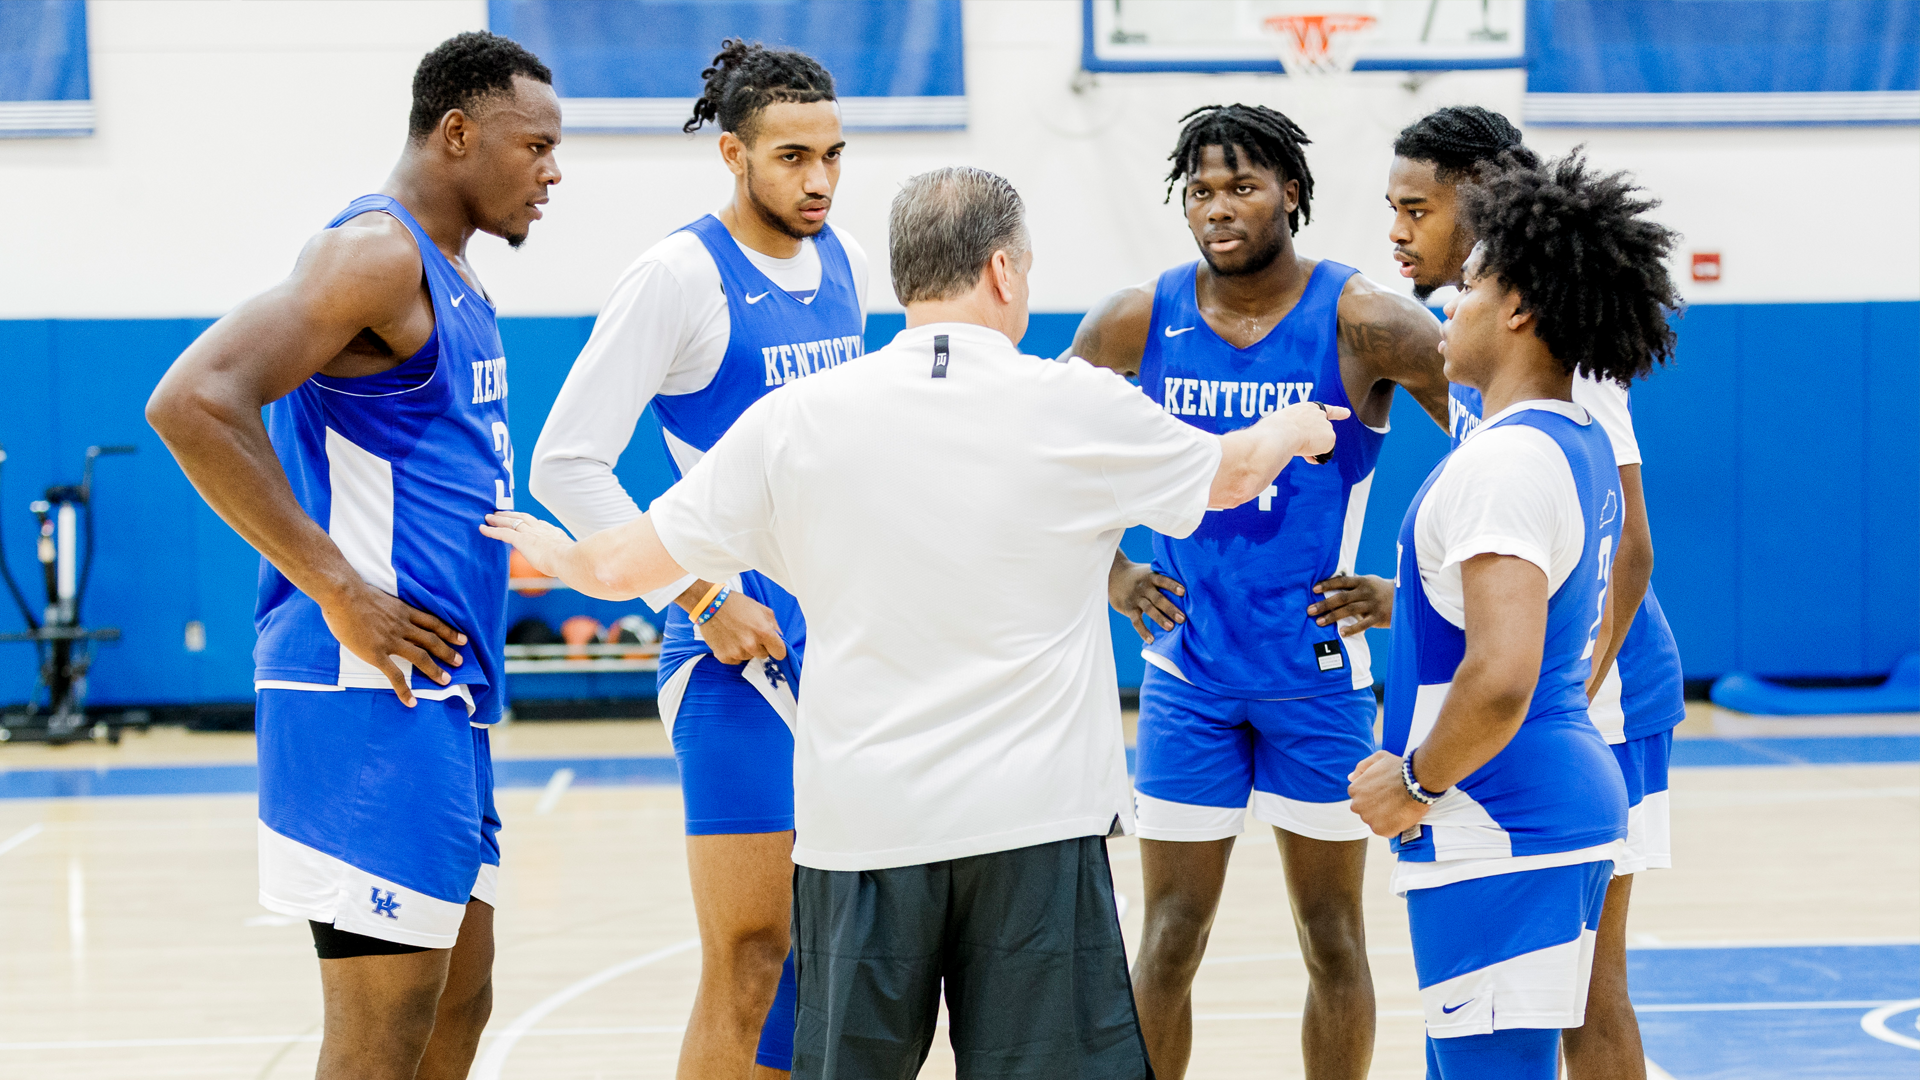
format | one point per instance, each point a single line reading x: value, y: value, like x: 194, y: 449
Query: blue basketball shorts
x: 1644, y: 763
x: 1203, y: 759
x: 374, y: 817
x: 1507, y: 951
x: 734, y: 751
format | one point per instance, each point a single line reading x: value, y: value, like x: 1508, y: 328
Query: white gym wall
x: 229, y: 130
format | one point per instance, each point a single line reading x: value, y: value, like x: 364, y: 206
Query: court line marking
x: 1875, y: 1023
x: 1709, y: 799
x: 1879, y: 1016
x: 1648, y: 941
x: 489, y: 1066
x: 561, y: 778
x: 21, y: 837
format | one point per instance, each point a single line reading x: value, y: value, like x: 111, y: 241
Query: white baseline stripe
x: 489, y: 1066
x: 1879, y: 1016
x: 20, y: 837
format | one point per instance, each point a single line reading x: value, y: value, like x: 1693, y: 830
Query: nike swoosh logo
x: 457, y: 299
x: 1456, y: 1008
x: 1171, y: 332
x: 756, y: 299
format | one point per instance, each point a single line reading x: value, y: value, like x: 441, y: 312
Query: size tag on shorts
x: 1328, y: 655
x: 1410, y: 835
x: 940, y: 356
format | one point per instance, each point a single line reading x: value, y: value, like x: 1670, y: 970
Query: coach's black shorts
x: 1026, y: 941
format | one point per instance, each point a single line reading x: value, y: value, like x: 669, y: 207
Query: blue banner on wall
x: 634, y: 65
x: 43, y: 69
x: 1722, y: 62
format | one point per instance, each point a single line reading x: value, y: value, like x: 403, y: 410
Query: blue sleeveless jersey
x: 1250, y: 571
x: 1652, y: 685
x: 400, y: 468
x: 1555, y: 787
x: 773, y: 338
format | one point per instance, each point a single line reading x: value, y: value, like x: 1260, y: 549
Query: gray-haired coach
x: 946, y: 510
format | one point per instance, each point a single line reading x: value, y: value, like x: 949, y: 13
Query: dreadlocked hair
x: 746, y: 77
x: 1460, y: 139
x: 1268, y: 138
x: 1589, y: 266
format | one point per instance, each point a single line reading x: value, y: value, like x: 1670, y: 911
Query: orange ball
x: 518, y: 567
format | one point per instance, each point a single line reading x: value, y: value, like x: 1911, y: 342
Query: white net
x: 1324, y: 44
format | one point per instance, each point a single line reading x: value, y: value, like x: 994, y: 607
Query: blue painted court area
x: 625, y: 771
x: 1777, y: 1012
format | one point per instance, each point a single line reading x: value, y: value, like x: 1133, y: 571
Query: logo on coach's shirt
x: 489, y: 380
x: 786, y: 363
x: 385, y: 905
x: 1205, y: 397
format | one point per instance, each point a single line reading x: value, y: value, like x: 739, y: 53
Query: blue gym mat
x: 1752, y: 694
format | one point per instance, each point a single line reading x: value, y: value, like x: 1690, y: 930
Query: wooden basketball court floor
x: 1785, y: 943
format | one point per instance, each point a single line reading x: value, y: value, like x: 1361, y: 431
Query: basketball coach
x: 946, y: 509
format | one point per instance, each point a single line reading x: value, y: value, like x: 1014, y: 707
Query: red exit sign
x: 1706, y: 266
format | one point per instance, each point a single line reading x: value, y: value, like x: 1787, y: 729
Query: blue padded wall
x: 1783, y: 478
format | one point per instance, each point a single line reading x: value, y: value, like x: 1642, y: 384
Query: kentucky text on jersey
x: 1208, y: 397
x: 489, y: 380
x: 1249, y: 571
x: 786, y: 363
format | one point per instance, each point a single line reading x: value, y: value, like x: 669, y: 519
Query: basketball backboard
x: 1236, y: 35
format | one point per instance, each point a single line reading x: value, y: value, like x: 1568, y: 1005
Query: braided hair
x: 1589, y: 267
x: 1459, y: 139
x: 1269, y: 139
x: 746, y: 77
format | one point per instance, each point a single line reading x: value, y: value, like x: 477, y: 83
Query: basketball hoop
x: 1319, y: 44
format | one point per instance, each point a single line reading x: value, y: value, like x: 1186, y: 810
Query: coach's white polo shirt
x: 949, y: 539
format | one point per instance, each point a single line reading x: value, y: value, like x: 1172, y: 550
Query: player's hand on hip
x: 1137, y: 592
x: 1312, y: 425
x: 392, y: 636
x: 1380, y: 796
x: 743, y: 629
x: 1356, y: 602
x: 540, y: 541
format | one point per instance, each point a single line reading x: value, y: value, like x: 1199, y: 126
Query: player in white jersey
x: 1636, y: 683
x: 704, y: 323
x: 1507, y: 810
x: 381, y: 619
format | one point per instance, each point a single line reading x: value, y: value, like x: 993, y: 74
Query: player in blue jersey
x: 1636, y: 687
x: 1506, y: 809
x: 702, y: 325
x: 381, y: 617
x: 1246, y: 697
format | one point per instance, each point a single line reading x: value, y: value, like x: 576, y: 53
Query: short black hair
x: 463, y: 69
x: 1589, y: 266
x: 746, y: 77
x: 1459, y: 139
x: 1270, y: 140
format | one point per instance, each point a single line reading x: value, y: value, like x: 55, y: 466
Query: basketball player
x: 1245, y: 694
x: 1636, y: 686
x: 381, y: 621
x: 1506, y: 810
x: 701, y: 326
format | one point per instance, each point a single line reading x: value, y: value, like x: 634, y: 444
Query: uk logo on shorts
x: 384, y: 905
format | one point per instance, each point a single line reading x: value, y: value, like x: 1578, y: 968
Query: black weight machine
x: 65, y: 647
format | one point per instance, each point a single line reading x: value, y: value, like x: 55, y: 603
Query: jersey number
x: 503, y: 489
x: 1606, y: 576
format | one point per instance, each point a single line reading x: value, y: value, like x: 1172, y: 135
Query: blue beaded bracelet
x: 1420, y: 795
x: 713, y: 606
